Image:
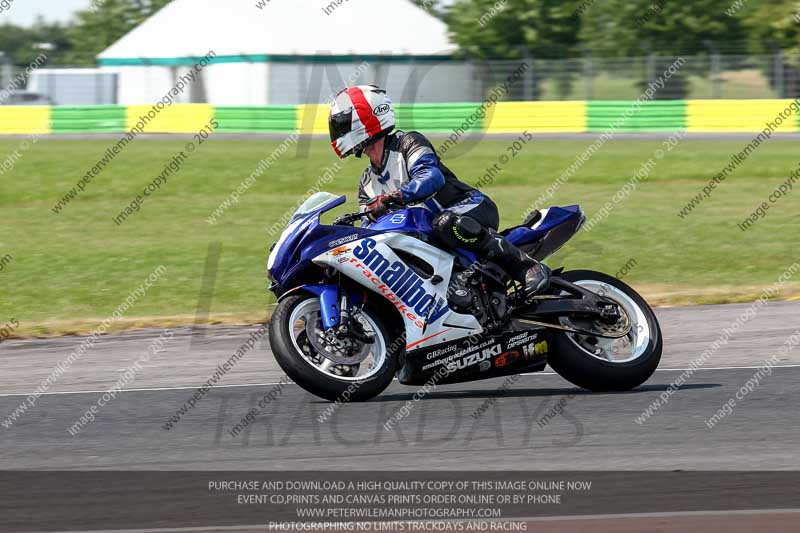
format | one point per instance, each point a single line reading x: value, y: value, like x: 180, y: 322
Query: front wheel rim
x: 299, y: 321
x: 617, y: 351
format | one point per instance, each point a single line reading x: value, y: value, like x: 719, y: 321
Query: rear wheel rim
x: 305, y: 317
x: 616, y: 351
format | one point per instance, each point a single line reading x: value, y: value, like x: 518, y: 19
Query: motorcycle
x: 358, y: 306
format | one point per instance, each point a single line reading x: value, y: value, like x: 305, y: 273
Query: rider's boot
x: 533, y: 275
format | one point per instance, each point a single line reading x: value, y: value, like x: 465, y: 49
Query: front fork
x: 335, y: 306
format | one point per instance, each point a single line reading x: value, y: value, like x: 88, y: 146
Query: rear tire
x: 303, y: 371
x: 592, y: 372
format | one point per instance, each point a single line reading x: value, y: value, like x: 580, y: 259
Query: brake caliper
x: 610, y: 313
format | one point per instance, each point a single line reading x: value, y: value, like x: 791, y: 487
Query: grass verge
x: 69, y: 267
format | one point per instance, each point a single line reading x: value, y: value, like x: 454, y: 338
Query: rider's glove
x: 383, y: 204
x: 394, y: 198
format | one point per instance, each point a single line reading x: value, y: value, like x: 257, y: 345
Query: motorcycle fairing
x: 376, y: 263
x: 303, y: 240
x: 554, y: 228
x: 462, y: 360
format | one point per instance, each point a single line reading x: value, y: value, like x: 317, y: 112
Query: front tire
x: 370, y: 372
x: 598, y: 364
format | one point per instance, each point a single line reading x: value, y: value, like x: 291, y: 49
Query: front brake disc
x: 347, y: 351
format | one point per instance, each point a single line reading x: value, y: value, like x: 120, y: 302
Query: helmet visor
x: 340, y: 124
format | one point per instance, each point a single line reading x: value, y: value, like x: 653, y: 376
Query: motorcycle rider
x: 404, y: 169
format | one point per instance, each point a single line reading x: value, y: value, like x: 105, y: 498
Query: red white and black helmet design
x: 359, y: 116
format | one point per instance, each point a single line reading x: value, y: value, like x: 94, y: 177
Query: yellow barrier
x: 24, y: 120
x: 537, y: 117
x: 177, y: 118
x: 748, y: 116
x: 312, y: 118
x: 702, y: 116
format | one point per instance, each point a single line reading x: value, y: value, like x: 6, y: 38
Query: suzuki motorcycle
x: 358, y: 306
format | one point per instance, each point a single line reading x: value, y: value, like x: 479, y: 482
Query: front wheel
x: 603, y: 364
x: 345, y: 369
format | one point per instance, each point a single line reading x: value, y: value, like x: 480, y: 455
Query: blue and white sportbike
x: 358, y: 306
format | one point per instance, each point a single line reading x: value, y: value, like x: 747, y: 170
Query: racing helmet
x: 359, y: 116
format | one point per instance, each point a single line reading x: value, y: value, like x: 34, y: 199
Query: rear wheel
x: 604, y: 364
x: 345, y: 369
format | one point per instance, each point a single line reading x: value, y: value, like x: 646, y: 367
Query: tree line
x: 78, y: 42
x: 545, y: 29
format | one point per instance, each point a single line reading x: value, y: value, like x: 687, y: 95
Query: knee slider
x: 441, y: 227
x: 459, y: 231
x: 467, y: 231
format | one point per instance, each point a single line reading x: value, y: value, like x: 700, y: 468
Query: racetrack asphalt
x: 442, y: 431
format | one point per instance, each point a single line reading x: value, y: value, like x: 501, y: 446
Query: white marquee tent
x: 286, y: 52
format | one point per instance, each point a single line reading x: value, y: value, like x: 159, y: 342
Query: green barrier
x: 88, y: 119
x: 256, y: 119
x: 438, y: 118
x: 650, y: 116
x: 431, y: 118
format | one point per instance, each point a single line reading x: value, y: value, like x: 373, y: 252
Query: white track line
x: 687, y: 369
x: 193, y: 387
x: 723, y: 368
x: 181, y: 387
